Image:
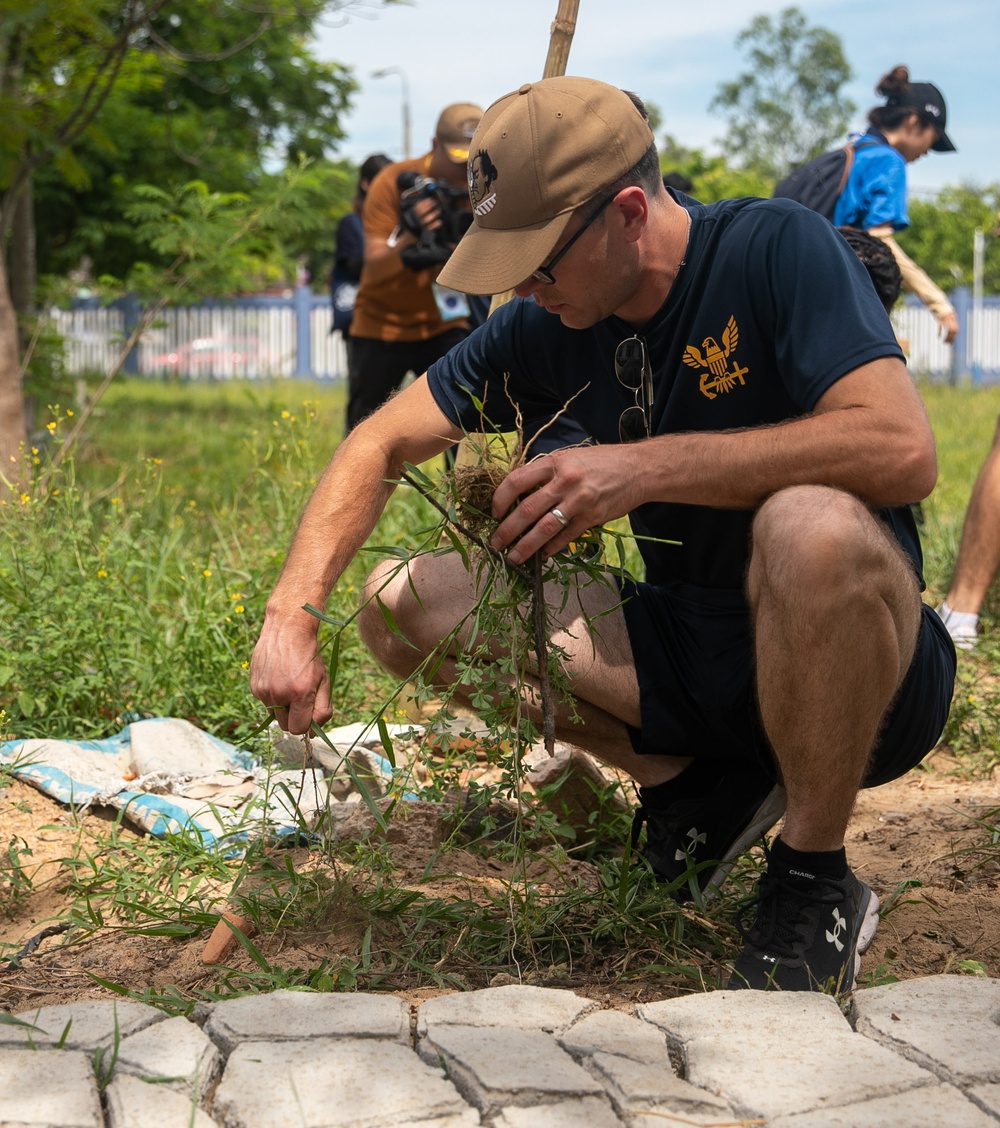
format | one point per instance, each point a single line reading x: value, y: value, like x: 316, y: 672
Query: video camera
x: 435, y: 244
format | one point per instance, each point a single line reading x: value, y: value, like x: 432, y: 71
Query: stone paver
x: 987, y: 1097
x: 521, y: 1008
x: 494, y: 1067
x: 175, y: 1053
x: 949, y: 1024
x: 919, y: 1054
x: 294, y: 1015
x: 133, y: 1103
x: 585, y: 1112
x: 334, y: 1083
x: 637, y: 1086
x: 81, y: 1026
x: 732, y: 1042
x: 39, y: 1091
x: 943, y: 1107
x: 612, y: 1032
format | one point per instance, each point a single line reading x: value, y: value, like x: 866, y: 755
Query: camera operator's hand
x: 420, y: 213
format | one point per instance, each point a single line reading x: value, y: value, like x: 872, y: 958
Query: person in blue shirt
x: 909, y: 125
x: 744, y: 395
x: 349, y: 251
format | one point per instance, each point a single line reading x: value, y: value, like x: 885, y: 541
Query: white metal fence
x: 285, y: 337
x: 230, y: 342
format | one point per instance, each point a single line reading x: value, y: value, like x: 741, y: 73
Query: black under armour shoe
x: 692, y: 842
x: 807, y: 934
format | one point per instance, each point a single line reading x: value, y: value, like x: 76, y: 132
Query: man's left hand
x: 550, y: 501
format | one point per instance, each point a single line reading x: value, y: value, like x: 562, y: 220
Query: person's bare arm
x: 917, y: 280
x: 286, y: 672
x: 868, y: 435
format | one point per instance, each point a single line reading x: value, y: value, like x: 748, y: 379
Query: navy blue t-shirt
x: 771, y: 308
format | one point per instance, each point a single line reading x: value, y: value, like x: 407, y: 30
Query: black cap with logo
x: 927, y: 99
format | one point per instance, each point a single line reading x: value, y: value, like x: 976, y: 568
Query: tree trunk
x: 23, y: 270
x: 13, y: 433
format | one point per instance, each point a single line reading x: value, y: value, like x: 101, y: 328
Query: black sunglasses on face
x: 633, y: 372
x: 544, y: 273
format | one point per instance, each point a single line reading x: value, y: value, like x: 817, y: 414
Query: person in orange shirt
x: 414, y: 214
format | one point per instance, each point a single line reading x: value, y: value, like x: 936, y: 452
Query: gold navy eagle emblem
x: 717, y: 376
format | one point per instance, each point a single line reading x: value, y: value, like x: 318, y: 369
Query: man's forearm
x: 336, y: 522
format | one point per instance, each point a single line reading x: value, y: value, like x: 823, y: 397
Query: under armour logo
x: 694, y: 840
x: 839, y: 925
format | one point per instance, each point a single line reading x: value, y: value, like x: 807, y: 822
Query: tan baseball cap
x: 538, y: 154
x: 455, y: 128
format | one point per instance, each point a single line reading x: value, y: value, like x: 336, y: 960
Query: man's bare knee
x: 814, y: 539
x: 422, y: 600
x: 381, y: 590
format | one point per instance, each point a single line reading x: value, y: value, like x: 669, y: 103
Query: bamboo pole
x: 560, y: 38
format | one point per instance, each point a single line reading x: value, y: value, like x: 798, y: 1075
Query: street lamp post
x: 381, y: 73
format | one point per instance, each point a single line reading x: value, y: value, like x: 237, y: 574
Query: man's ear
x: 633, y: 206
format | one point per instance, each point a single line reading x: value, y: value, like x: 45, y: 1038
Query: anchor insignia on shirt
x: 717, y: 377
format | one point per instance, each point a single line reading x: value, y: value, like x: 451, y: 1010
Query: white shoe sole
x: 866, y: 933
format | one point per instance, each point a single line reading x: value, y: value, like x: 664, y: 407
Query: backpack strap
x: 849, y: 150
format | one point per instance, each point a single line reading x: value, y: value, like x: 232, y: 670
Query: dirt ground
x: 920, y: 830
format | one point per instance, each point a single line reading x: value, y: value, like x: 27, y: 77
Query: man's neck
x: 663, y: 250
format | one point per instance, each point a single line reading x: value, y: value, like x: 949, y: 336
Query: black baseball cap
x: 926, y: 98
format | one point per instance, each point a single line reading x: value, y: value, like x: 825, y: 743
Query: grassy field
x: 139, y: 583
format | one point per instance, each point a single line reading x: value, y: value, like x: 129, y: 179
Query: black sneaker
x: 691, y: 844
x: 808, y: 933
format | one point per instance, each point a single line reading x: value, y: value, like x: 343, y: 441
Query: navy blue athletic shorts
x: 693, y: 653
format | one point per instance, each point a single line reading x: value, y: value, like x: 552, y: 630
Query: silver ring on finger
x: 560, y: 517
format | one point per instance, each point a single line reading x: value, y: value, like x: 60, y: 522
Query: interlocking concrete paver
x: 81, y: 1026
x: 175, y: 1052
x: 519, y: 1007
x: 40, y: 1090
x: 923, y: 1054
x: 585, y: 1112
x: 987, y: 1097
x: 941, y: 1106
x: 133, y: 1103
x: 494, y: 1066
x: 733, y: 1042
x: 613, y: 1032
x: 334, y: 1083
x: 636, y: 1086
x: 290, y: 1015
x: 946, y: 1023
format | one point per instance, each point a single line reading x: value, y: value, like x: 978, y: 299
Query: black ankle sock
x: 831, y: 863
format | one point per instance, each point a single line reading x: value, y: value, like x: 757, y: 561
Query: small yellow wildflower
x: 206, y: 572
x: 101, y: 574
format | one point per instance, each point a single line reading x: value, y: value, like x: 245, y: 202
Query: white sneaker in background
x: 963, y: 626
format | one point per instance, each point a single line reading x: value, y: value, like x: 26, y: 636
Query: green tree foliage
x: 213, y: 90
x: 713, y: 177
x: 941, y: 232
x: 99, y: 96
x: 787, y: 107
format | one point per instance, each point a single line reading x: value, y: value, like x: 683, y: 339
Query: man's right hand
x: 288, y: 676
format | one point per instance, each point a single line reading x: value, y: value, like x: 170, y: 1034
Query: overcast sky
x: 673, y: 54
